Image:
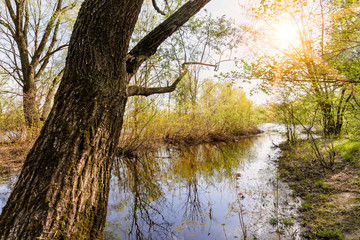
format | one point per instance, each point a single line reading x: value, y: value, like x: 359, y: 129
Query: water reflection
x: 137, y: 207
x: 147, y: 190
x: 209, y: 191
x: 7, y: 182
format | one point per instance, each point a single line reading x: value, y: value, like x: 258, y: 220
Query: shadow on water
x: 209, y: 191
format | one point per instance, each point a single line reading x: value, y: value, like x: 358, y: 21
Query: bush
x: 221, y: 113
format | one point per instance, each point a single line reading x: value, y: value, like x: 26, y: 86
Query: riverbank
x: 12, y: 155
x: 330, y: 194
x: 130, y: 144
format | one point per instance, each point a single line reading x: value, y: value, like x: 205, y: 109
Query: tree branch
x: 45, y: 60
x: 11, y: 74
x: 149, y: 44
x: 7, y: 26
x: 143, y: 91
x: 50, y: 53
x: 49, y: 28
x: 157, y: 8
x: 47, y: 32
x: 50, y: 95
x: 201, y: 63
x: 27, y: 19
x: 11, y: 10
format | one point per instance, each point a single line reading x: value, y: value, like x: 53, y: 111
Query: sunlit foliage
x: 307, y: 66
x: 222, y: 112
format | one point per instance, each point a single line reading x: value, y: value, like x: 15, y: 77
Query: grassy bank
x: 177, y: 130
x: 150, y: 138
x: 221, y: 113
x: 173, y: 131
x: 330, y: 191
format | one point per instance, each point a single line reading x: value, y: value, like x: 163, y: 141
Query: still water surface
x: 209, y: 191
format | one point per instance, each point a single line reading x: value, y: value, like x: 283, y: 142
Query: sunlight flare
x: 286, y: 34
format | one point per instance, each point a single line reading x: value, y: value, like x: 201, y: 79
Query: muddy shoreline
x: 331, y: 196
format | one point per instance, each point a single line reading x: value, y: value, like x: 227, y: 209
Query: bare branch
x: 200, y: 63
x: 47, y: 33
x: 149, y: 44
x: 11, y: 74
x: 11, y: 10
x: 50, y: 52
x: 143, y: 91
x: 7, y: 26
x: 157, y: 8
x: 27, y: 19
x: 50, y: 95
x: 49, y: 28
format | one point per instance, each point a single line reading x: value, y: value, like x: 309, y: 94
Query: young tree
x: 31, y: 36
x: 62, y: 191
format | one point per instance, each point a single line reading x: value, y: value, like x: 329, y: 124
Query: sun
x: 286, y: 35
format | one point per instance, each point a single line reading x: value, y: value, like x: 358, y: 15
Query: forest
x: 179, y: 119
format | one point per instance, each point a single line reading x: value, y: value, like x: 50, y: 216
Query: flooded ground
x: 208, y: 191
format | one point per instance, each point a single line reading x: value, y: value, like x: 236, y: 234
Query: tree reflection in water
x: 149, y: 183
x: 188, y: 192
x: 212, y: 163
x: 143, y: 198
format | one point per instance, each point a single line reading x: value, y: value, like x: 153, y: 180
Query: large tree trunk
x: 62, y: 191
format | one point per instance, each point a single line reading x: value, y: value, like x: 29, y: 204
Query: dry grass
x: 12, y: 157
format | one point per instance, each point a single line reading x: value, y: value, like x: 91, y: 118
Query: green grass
x: 349, y: 150
x: 273, y: 221
x: 320, y: 184
x: 330, y: 234
x: 287, y: 222
x: 308, y: 196
x: 284, y: 221
x: 305, y: 206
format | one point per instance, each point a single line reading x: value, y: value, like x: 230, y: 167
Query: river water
x: 209, y: 191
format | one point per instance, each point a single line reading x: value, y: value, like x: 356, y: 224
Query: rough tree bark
x: 62, y: 191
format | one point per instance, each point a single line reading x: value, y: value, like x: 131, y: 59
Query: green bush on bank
x: 221, y: 112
